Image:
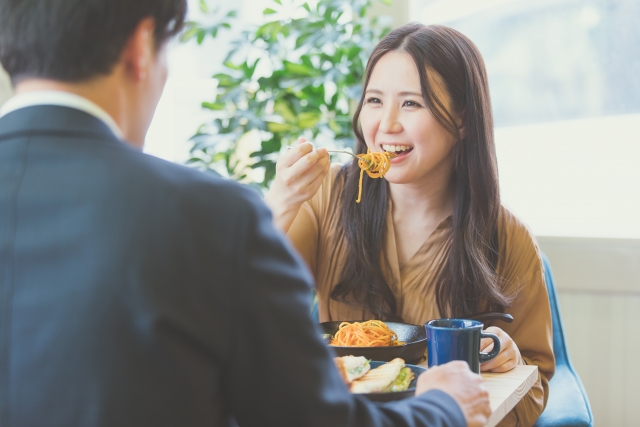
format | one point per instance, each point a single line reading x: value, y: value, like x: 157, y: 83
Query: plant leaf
x: 300, y: 69
x: 282, y: 108
x: 308, y: 120
x: 302, y: 53
x: 217, y: 106
x: 278, y: 127
x: 231, y: 65
x: 189, y: 34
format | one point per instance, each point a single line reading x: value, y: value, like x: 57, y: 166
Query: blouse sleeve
x: 304, y: 232
x: 531, y: 330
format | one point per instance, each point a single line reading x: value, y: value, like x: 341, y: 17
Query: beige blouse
x: 520, y: 265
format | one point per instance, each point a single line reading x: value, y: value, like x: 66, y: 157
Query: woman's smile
x: 400, y: 150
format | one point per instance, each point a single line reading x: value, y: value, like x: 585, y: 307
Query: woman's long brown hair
x: 468, y: 281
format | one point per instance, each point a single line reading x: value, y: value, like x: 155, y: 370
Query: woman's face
x: 395, y: 118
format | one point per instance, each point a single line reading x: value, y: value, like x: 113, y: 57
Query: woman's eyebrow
x: 410, y: 94
x: 404, y: 93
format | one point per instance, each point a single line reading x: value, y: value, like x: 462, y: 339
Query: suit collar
x: 62, y: 99
x: 50, y: 119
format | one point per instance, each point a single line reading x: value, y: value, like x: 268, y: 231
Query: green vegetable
x: 359, y: 369
x: 402, y: 381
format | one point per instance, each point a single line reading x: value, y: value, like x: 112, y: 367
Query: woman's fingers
x: 486, y: 345
x: 314, y: 185
x: 305, y: 169
x: 503, y: 362
x: 319, y: 168
x: 300, y: 181
x: 509, y: 354
x: 294, y: 154
x: 313, y: 177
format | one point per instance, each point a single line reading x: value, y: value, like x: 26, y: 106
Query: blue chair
x: 568, y: 404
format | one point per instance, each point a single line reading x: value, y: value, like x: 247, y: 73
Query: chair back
x: 568, y: 404
x: 559, y: 344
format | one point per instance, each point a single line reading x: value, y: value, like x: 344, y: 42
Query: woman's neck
x: 417, y: 211
x: 428, y: 202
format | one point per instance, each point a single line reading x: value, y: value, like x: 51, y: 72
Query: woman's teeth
x: 396, y: 148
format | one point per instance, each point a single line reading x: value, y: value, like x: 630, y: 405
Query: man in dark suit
x: 136, y: 292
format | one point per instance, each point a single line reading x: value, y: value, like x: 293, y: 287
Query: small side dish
x: 387, y: 378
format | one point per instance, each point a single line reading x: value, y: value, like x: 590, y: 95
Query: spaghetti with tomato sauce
x: 375, y: 164
x: 371, y: 333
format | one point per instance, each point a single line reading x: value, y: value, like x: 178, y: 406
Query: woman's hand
x: 508, y: 357
x: 299, y: 174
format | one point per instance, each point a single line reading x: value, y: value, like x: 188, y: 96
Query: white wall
x: 598, y: 283
x: 574, y: 178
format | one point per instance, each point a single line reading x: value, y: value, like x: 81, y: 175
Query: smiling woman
x: 431, y: 239
x: 414, y: 101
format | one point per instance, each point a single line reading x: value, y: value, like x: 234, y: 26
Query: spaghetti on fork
x: 375, y: 164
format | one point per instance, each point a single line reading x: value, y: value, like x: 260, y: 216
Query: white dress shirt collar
x: 62, y: 99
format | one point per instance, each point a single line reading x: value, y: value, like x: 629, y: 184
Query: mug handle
x: 485, y: 357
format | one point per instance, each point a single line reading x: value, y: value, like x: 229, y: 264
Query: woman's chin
x: 396, y: 178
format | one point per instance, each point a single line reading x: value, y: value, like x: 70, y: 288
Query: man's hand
x: 465, y: 387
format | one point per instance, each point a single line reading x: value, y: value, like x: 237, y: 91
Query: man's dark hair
x: 76, y: 40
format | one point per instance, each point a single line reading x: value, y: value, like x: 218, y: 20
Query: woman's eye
x: 411, y: 104
x: 374, y: 101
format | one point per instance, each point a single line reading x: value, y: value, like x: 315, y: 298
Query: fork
x: 288, y: 147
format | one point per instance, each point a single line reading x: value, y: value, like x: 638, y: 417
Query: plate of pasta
x: 376, y: 340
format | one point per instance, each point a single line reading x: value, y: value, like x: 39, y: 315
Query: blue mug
x: 458, y: 339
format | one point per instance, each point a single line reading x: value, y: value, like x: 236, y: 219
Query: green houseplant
x: 298, y: 74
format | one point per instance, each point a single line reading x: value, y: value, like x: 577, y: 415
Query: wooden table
x: 507, y: 389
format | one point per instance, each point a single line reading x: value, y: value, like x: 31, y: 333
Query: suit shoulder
x: 191, y: 189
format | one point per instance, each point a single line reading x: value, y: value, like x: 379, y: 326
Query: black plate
x: 413, y: 336
x: 396, y: 395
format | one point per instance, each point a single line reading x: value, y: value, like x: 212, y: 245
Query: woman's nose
x: 389, y: 122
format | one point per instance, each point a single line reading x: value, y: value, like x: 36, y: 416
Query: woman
x: 430, y: 240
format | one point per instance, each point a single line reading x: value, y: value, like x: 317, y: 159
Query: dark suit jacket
x: 136, y: 292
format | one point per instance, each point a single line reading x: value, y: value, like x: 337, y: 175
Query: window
x: 565, y: 85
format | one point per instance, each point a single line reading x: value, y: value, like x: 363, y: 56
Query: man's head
x: 87, y: 43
